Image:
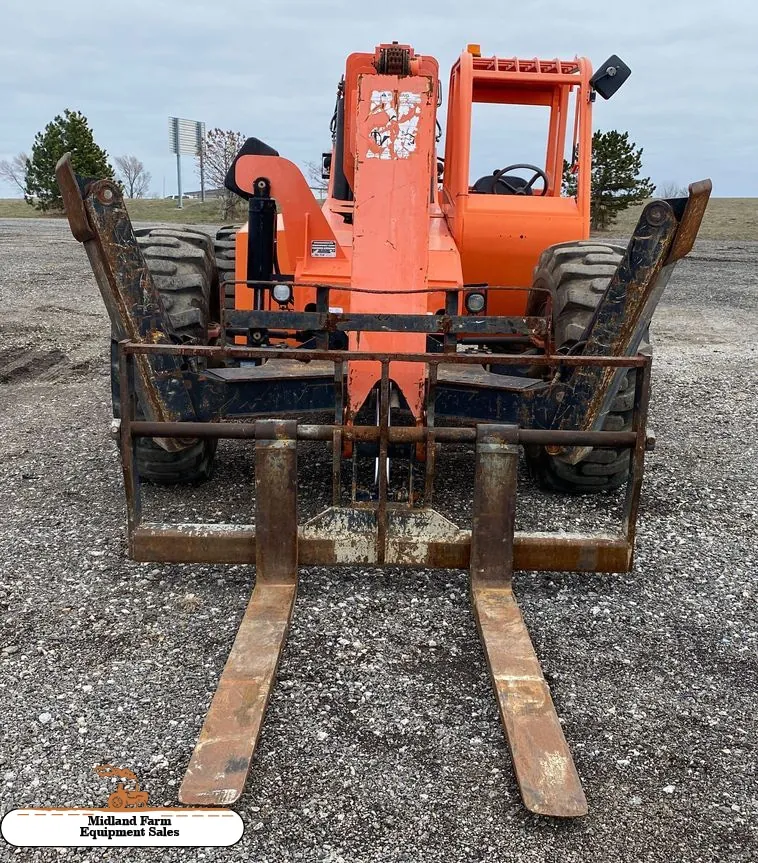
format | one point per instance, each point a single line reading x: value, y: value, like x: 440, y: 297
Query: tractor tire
x: 577, y: 275
x: 225, y: 249
x: 181, y: 262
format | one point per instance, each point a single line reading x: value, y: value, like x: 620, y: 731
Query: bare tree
x: 671, y: 190
x: 315, y: 180
x: 13, y: 171
x: 220, y: 149
x: 134, y: 176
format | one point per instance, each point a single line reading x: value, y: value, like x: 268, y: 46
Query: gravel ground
x: 382, y: 741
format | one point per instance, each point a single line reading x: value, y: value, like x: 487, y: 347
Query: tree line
x: 34, y: 174
x: 616, y: 169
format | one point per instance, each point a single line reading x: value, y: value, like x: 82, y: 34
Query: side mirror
x: 610, y: 76
x: 326, y: 165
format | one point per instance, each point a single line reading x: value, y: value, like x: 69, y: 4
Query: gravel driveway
x: 382, y: 741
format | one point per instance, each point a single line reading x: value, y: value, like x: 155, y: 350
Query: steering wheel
x: 522, y: 190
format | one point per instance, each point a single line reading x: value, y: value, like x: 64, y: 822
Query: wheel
x: 577, y: 274
x: 225, y: 250
x: 181, y: 262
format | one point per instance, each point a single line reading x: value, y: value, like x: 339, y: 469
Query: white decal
x: 323, y: 249
x: 108, y: 828
x: 395, y: 117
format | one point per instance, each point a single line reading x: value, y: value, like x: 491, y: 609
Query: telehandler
x: 420, y: 306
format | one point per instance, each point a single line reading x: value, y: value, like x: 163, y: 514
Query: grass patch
x: 725, y: 218
x: 147, y: 210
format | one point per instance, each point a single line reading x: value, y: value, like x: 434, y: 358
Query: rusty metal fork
x: 220, y: 763
x: 542, y: 760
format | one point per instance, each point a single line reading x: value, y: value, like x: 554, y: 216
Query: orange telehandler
x: 419, y: 306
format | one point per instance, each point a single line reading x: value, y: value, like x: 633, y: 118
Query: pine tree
x: 69, y: 133
x: 616, y: 181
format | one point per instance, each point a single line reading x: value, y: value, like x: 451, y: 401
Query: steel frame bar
x: 208, y: 543
x: 373, y: 434
x: 220, y: 763
x: 542, y: 760
x: 306, y: 356
x: 240, y: 321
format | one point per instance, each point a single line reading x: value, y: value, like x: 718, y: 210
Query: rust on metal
x: 666, y: 231
x: 219, y: 766
x: 220, y: 763
x: 395, y: 435
x: 98, y: 218
x: 303, y: 355
x: 563, y: 407
x: 617, y: 327
x: 127, y: 447
x: 383, y: 533
x: 226, y: 543
x: 690, y: 222
x: 193, y: 543
x: 334, y: 322
x: 72, y: 200
x: 637, y: 460
x: 542, y: 761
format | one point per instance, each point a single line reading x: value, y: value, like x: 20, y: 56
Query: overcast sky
x: 269, y: 68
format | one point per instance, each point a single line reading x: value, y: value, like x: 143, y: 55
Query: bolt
x: 656, y: 213
x: 105, y: 195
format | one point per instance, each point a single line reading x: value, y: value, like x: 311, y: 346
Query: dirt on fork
x: 382, y: 740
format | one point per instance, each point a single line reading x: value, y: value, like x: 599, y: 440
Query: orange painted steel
x: 500, y: 237
x: 402, y: 229
x: 394, y: 146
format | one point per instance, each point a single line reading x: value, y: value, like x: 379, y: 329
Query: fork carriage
x: 386, y: 532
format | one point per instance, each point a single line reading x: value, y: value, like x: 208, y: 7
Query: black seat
x: 486, y: 185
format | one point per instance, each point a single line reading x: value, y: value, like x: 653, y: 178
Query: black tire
x: 181, y: 262
x: 225, y: 251
x: 577, y: 274
x: 193, y: 464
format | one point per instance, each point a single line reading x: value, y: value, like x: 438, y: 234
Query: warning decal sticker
x: 396, y: 117
x: 323, y: 249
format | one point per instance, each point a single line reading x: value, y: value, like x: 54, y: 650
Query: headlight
x: 282, y: 293
x: 475, y: 302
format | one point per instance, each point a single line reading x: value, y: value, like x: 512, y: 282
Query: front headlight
x: 282, y: 293
x: 475, y: 302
